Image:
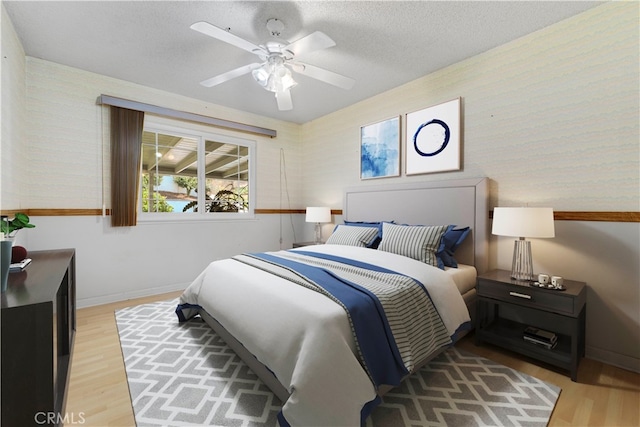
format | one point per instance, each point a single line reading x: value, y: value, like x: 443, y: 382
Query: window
x: 193, y: 174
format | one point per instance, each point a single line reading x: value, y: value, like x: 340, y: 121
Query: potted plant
x: 227, y: 200
x: 9, y: 227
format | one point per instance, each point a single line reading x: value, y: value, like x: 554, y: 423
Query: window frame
x: 201, y: 133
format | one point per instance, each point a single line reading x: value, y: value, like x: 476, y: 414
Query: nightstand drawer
x: 528, y: 296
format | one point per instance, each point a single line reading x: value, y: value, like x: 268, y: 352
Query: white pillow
x: 353, y: 236
x: 419, y: 242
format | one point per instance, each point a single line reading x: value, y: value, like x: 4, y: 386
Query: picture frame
x: 380, y: 149
x: 433, y: 139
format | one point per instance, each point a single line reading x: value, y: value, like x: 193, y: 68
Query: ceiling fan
x: 278, y: 60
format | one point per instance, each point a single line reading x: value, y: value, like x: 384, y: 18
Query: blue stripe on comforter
x: 373, y: 334
x: 455, y: 337
x: 359, y: 264
x: 464, y: 327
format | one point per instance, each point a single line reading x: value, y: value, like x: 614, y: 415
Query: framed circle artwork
x: 433, y: 139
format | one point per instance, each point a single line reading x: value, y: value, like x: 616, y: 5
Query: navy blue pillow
x: 451, y: 240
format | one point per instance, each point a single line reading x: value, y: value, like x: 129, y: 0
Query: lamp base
x: 522, y: 264
x: 318, y: 240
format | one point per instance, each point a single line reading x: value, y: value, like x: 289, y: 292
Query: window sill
x: 191, y: 218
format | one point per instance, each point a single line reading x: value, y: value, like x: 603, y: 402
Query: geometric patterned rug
x: 183, y: 374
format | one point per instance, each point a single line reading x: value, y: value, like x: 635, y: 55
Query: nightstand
x: 505, y: 307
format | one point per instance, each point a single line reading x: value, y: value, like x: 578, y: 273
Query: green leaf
x: 21, y: 219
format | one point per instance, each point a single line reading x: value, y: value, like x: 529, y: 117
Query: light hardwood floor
x: 99, y: 396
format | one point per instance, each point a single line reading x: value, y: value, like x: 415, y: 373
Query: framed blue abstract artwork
x: 380, y: 149
x: 433, y: 139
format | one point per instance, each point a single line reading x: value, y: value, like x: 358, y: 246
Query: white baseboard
x: 615, y: 359
x: 106, y: 299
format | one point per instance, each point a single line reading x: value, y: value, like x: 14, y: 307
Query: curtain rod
x: 148, y: 108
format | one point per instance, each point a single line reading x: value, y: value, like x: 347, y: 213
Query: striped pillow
x: 378, y: 225
x: 414, y: 241
x: 353, y: 236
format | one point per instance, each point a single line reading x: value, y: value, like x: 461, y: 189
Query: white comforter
x: 303, y: 337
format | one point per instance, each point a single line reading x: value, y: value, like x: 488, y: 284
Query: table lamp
x: 318, y: 214
x: 523, y: 222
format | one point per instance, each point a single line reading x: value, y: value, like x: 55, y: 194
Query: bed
x: 324, y: 356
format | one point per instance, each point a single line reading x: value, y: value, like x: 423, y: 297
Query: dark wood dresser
x: 38, y: 329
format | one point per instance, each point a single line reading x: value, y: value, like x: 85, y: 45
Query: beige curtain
x: 126, y: 140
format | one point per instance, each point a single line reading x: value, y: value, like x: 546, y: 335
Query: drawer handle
x: 519, y: 295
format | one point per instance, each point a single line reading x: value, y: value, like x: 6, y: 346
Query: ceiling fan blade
x: 321, y: 74
x: 311, y: 43
x: 246, y: 69
x: 225, y: 36
x: 284, y: 100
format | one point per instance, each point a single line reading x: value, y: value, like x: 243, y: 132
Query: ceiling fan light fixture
x: 262, y: 74
x: 274, y: 78
x: 282, y: 79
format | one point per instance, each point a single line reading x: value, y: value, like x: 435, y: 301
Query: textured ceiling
x: 380, y: 44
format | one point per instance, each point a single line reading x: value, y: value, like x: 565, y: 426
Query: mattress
x: 464, y: 277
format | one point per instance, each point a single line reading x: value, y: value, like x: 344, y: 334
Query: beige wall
x: 68, y: 133
x: 12, y: 148
x: 552, y: 120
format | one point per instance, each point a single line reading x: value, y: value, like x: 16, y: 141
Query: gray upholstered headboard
x: 460, y: 202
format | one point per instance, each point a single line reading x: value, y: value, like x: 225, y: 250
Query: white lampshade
x: 523, y: 222
x: 318, y: 214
